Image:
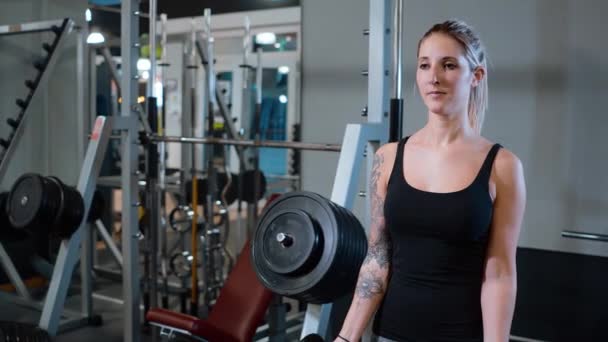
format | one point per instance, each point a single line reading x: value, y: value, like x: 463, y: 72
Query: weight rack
x: 62, y: 29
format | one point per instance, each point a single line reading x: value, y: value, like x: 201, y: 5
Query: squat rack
x: 359, y: 140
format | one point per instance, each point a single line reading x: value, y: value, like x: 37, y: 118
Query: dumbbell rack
x: 61, y: 29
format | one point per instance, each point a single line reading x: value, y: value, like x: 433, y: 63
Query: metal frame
x: 170, y: 332
x: 13, y: 274
x: 130, y: 230
x: 357, y: 139
x: 69, y: 250
x: 215, y: 96
x: 39, y: 26
x: 107, y: 238
x: 250, y: 143
x: 585, y: 236
x: 60, y: 273
x: 67, y: 26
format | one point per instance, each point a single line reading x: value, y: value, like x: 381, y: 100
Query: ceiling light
x: 87, y: 15
x: 265, y: 38
x: 284, y: 69
x: 143, y: 64
x: 95, y: 38
x: 283, y: 99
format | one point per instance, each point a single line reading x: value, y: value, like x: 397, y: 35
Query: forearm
x: 369, y: 292
x: 497, y: 305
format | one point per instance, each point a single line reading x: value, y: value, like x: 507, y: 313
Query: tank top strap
x: 486, y: 168
x: 398, y: 163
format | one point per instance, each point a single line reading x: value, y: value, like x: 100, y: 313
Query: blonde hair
x: 476, y: 56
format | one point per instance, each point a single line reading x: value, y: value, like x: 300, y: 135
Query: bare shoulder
x: 507, y: 163
x: 508, y: 171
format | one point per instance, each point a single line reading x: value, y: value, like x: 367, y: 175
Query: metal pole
x: 250, y: 143
x: 130, y: 229
x: 396, y: 104
x: 585, y: 236
x: 211, y: 174
x: 398, y: 48
x: 105, y: 51
x: 230, y: 129
x: 246, y: 47
x: 152, y: 36
x: 257, y: 136
x: 164, y: 259
x: 107, y: 238
x: 194, y: 295
x: 86, y: 251
x: 154, y: 206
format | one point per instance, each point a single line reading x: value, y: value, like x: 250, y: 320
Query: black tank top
x: 439, y: 245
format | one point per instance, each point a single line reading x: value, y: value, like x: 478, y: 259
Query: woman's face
x: 443, y: 75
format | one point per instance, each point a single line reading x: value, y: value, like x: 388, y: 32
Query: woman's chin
x: 438, y: 110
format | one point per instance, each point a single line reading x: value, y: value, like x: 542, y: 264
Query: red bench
x: 236, y: 315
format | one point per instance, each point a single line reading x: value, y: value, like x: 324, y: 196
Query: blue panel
x: 104, y: 2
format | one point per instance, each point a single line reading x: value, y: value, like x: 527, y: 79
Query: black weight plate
x: 248, y: 186
x: 322, y: 214
x: 291, y: 242
x: 72, y: 213
x: 203, y: 189
x: 7, y: 232
x: 312, y: 338
x: 342, y: 277
x: 25, y: 200
x: 4, y: 222
x: 354, y: 248
x: 328, y: 285
x: 98, y: 206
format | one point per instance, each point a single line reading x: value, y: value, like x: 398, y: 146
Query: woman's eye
x: 423, y: 66
x: 450, y: 66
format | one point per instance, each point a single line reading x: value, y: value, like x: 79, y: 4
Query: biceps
x: 505, y: 230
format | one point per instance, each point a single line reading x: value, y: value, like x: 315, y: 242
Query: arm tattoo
x: 377, y: 202
x: 379, y: 250
x: 369, y: 286
x: 380, y: 245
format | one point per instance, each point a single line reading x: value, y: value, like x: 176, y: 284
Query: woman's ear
x: 478, y: 74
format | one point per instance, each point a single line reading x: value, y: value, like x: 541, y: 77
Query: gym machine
x: 41, y: 206
x: 61, y: 30
x: 44, y: 205
x: 273, y: 248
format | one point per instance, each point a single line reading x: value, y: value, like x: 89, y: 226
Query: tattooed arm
x: 373, y: 275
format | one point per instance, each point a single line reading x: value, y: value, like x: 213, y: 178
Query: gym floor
x: 110, y: 331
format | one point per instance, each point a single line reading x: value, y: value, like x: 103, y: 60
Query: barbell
x: 309, y: 248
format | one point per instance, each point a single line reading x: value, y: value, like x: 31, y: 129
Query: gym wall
x: 548, y: 79
x: 334, y: 52
x: 49, y: 143
x: 547, y: 101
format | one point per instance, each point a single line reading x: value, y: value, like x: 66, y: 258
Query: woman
x: 447, y: 208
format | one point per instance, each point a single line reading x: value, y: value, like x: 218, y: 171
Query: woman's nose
x: 434, y: 79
